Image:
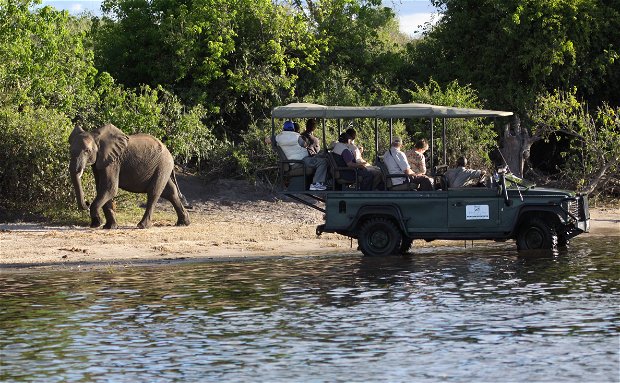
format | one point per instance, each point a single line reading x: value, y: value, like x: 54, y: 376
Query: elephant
x: 138, y: 163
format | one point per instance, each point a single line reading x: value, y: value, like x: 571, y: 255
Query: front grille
x: 575, y: 207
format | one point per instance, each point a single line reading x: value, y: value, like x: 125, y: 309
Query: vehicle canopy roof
x: 412, y: 110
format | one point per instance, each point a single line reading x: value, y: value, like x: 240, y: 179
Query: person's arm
x: 302, y: 142
x: 349, y: 159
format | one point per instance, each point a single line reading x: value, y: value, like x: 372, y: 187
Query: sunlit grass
x: 129, y: 210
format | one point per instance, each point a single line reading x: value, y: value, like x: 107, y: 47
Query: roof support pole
x: 324, y: 142
x: 391, y: 131
x: 376, y: 139
x: 443, y: 143
x: 432, y: 144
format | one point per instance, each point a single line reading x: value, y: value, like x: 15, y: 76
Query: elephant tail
x: 181, y: 196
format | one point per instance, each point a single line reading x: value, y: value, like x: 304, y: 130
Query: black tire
x: 536, y: 234
x: 405, y: 245
x: 379, y: 237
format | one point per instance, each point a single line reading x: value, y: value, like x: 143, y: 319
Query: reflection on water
x: 476, y: 314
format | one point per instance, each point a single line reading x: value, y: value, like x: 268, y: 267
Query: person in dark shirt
x: 312, y: 143
x: 342, y: 149
x: 357, y: 155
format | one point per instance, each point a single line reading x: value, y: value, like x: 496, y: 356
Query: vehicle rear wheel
x: 536, y: 234
x: 379, y: 237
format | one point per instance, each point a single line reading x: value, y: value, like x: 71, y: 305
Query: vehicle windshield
x: 514, y: 182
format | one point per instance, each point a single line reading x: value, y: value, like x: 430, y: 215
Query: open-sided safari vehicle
x: 386, y: 222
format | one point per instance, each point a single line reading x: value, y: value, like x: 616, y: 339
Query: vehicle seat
x: 342, y: 175
x: 294, y: 174
x: 441, y: 182
x: 388, y: 178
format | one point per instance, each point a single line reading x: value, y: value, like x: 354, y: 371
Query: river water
x: 443, y: 314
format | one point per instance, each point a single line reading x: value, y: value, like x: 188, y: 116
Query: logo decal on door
x: 473, y: 212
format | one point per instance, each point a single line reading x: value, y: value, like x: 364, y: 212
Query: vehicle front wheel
x: 405, y: 245
x: 563, y: 242
x: 536, y: 234
x: 379, y: 237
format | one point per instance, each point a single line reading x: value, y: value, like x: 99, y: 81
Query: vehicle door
x: 472, y: 208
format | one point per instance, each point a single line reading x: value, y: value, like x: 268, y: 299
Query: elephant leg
x: 171, y: 193
x: 152, y: 197
x: 105, y: 193
x: 100, y: 200
x: 110, y: 218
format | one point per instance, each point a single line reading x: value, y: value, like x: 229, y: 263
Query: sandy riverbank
x: 230, y: 220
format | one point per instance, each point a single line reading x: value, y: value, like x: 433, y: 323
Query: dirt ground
x: 230, y: 220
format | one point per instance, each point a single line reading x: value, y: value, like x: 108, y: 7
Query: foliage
x: 46, y: 77
x: 474, y: 138
x: 48, y: 82
x: 361, y: 45
x: 236, y: 58
x: 513, y: 50
x: 159, y: 113
x: 45, y: 59
x: 252, y: 158
x: 594, y: 149
x: 33, y: 159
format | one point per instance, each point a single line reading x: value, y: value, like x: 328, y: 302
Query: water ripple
x: 481, y: 314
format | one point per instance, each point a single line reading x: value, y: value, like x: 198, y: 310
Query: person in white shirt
x: 396, y: 162
x: 293, y: 146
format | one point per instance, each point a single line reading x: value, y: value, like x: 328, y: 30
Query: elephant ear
x: 77, y: 131
x: 112, y: 143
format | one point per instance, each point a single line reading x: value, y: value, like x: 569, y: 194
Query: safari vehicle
x: 386, y: 222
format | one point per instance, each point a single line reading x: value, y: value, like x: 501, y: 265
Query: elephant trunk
x: 79, y: 193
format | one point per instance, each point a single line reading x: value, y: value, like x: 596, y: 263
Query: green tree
x: 513, y: 50
x: 235, y: 57
x: 45, y: 61
x: 362, y: 47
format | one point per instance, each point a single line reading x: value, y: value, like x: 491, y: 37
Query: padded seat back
x: 340, y: 172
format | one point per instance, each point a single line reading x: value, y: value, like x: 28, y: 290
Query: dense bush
x: 34, y: 159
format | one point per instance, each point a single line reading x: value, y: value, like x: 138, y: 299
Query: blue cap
x: 289, y: 126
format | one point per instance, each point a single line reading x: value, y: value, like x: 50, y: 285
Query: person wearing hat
x: 293, y: 146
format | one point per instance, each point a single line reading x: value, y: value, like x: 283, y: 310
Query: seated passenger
x: 396, y: 163
x: 293, y: 147
x: 357, y: 154
x: 342, y: 149
x: 461, y: 176
x: 311, y: 142
x: 417, y: 160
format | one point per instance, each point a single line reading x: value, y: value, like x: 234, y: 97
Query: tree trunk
x: 515, y: 144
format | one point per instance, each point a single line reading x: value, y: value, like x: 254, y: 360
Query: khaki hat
x: 396, y: 140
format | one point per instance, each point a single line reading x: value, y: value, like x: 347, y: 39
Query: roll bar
x: 387, y: 112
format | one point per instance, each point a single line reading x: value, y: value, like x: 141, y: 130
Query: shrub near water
x: 34, y: 159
